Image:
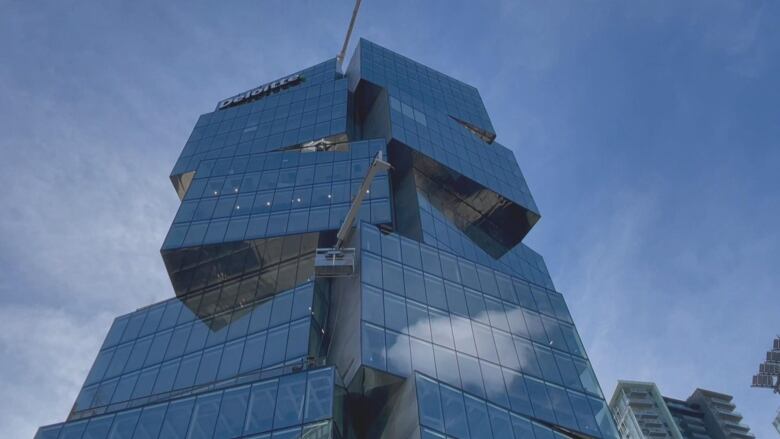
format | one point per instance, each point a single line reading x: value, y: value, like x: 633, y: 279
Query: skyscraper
x: 429, y: 318
x: 642, y: 412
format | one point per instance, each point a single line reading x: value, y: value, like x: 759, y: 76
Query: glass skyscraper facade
x: 449, y: 325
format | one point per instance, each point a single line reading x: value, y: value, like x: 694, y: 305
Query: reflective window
x: 289, y: 406
x: 455, y: 423
x: 262, y: 403
x: 429, y: 403
x: 319, y: 395
x: 150, y: 422
x: 204, y: 416
x: 479, y: 423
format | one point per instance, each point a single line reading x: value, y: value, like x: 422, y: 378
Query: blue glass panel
x: 143, y: 386
x: 499, y: 421
x: 74, y: 430
x: 290, y: 433
x: 119, y: 360
x: 177, y: 418
x: 456, y: 299
x: 583, y: 413
x: 373, y: 346
x: 483, y: 337
x: 547, y: 363
x: 373, y: 310
x: 543, y: 432
x: 470, y: 375
x: 98, y: 427
x: 150, y: 422
x: 99, y: 367
x: 187, y: 371
x: 124, y: 425
x: 253, y: 352
x: 479, y: 423
x: 446, y: 366
x: 262, y: 403
x: 158, y: 348
x: 319, y: 395
x: 198, y: 337
x: 464, y: 337
x: 419, y: 325
x: 298, y: 339
x: 124, y: 388
x: 395, y: 312
x: 527, y: 357
x: 522, y: 427
x: 204, y: 416
x: 603, y: 418
x: 261, y: 314
x: 518, y: 394
x: 166, y: 377
x: 282, y: 308
x: 392, y: 277
x: 276, y: 347
x: 414, y: 286
x: 138, y: 354
x: 302, y: 302
x: 569, y: 373
x: 230, y: 422
x: 562, y: 406
x: 133, y: 326
x: 231, y: 359
x: 505, y: 346
x: 429, y: 403
x: 399, y: 359
x: 540, y: 401
x: 495, y: 390
x: 152, y: 320
x: 422, y: 357
x: 289, y: 405
x: 455, y: 422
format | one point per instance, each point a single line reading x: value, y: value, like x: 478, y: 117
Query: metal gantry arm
x: 337, y: 261
x: 343, y: 52
x: 377, y: 165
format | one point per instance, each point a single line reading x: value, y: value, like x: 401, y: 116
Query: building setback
x: 432, y: 320
x: 642, y: 412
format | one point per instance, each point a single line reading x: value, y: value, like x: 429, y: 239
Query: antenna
x: 340, y: 56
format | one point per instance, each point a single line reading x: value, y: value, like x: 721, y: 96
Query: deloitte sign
x: 259, y: 92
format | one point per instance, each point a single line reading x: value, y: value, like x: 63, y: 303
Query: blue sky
x: 648, y: 133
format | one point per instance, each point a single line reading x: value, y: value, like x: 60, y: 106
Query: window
x: 319, y: 395
x: 429, y: 403
x: 253, y: 352
x: 398, y: 353
x: 262, y: 403
x: 373, y: 309
x: 539, y: 400
x: 275, y: 350
x: 454, y: 412
x: 479, y: 423
x: 446, y: 366
x: 289, y: 407
x: 150, y: 422
x: 204, y: 416
x: 395, y: 313
x: 98, y: 427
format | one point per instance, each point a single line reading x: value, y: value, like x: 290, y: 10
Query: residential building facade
x: 642, y: 412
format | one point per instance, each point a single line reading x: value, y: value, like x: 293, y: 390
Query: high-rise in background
x: 430, y: 318
x: 642, y: 412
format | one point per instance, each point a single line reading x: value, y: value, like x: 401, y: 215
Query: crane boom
x: 343, y: 52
